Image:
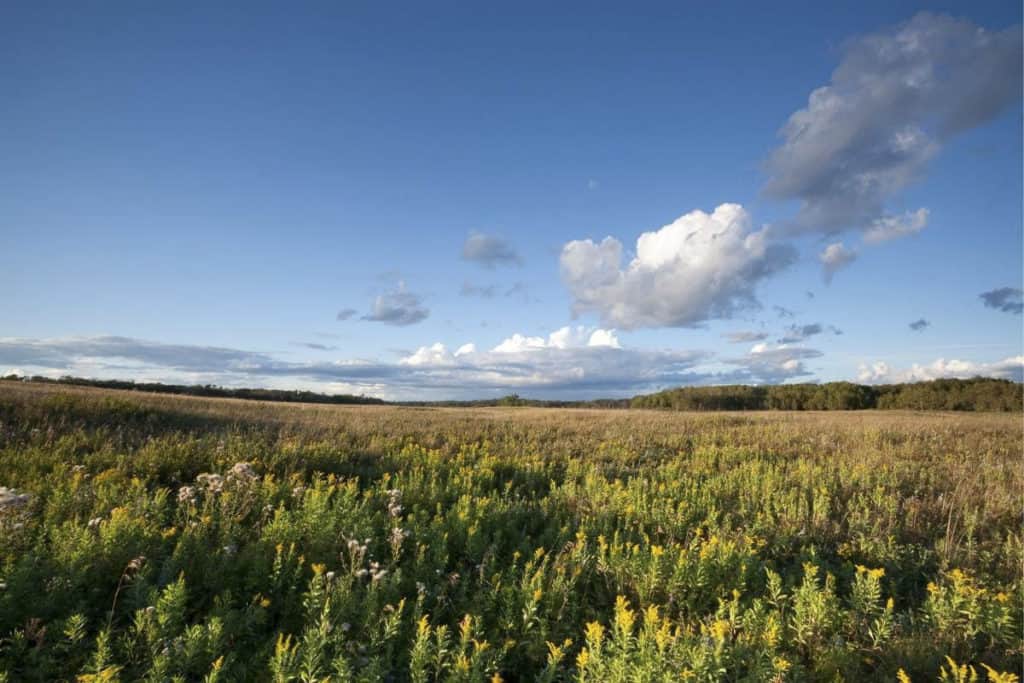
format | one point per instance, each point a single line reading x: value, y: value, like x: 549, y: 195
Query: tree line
x: 977, y: 394
x: 206, y: 390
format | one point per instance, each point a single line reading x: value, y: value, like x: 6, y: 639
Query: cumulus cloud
x: 562, y: 338
x: 571, y: 361
x: 1005, y: 299
x: 768, y: 364
x: 919, y: 325
x: 834, y: 258
x: 745, y: 336
x: 888, y: 228
x: 489, y: 251
x: 881, y: 373
x: 895, y: 98
x: 398, y: 307
x: 699, y: 267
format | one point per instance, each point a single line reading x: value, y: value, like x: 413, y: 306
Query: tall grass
x: 170, y: 538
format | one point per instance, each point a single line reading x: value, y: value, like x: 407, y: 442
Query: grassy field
x: 169, y: 538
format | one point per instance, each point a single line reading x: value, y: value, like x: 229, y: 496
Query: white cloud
x: 881, y: 373
x: 601, y: 337
x: 518, y: 343
x: 699, y: 267
x: 562, y: 338
x: 465, y: 349
x: 895, y: 98
x: 888, y: 228
x: 398, y: 307
x: 489, y: 251
x: 428, y: 355
x: 834, y: 258
x: 772, y: 364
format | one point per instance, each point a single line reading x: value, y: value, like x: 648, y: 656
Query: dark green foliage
x: 978, y: 394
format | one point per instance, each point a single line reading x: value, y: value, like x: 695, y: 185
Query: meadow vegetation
x: 170, y: 538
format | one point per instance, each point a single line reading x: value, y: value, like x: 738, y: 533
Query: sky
x: 442, y: 200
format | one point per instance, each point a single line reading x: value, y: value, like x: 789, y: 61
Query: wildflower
x: 230, y: 549
x: 394, y: 503
x: 213, y: 482
x: 11, y: 499
x: 720, y: 629
x: 299, y: 491
x: 150, y: 609
x: 329, y: 576
x: 187, y: 494
x: 378, y: 575
x: 396, y: 538
x: 346, y: 627
x: 242, y: 471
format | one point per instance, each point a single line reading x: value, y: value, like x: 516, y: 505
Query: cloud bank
x: 881, y: 373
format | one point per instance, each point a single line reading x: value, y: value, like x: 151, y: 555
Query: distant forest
x: 205, y: 390
x: 941, y: 394
x: 977, y: 394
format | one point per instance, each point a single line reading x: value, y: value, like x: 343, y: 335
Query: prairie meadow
x: 153, y: 538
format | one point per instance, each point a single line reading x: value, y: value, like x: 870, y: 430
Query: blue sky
x: 343, y: 197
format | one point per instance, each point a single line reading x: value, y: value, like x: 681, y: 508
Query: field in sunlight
x: 148, y: 537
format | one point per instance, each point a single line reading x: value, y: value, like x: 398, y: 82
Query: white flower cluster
x: 394, y: 503
x: 214, y: 483
x: 241, y: 473
x: 357, y: 558
x: 395, y: 539
x: 10, y: 499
